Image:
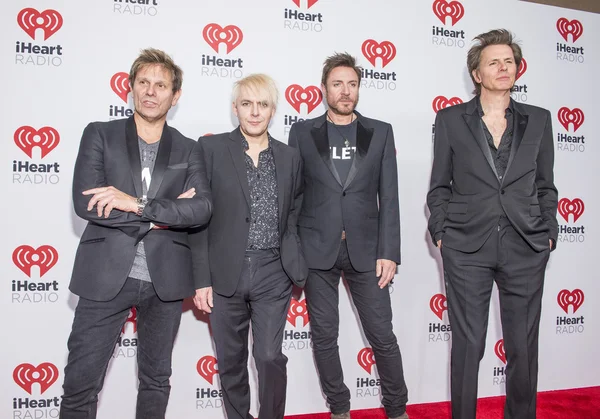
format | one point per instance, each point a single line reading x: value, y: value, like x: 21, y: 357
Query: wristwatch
x: 141, y: 204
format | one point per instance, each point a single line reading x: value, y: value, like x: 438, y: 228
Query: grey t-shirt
x: 342, y: 146
x: 139, y: 270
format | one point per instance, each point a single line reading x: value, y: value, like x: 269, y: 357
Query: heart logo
x: 49, y: 21
x: 230, y: 35
x: 27, y: 138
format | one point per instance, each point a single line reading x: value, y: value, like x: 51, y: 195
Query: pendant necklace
x: 346, y: 142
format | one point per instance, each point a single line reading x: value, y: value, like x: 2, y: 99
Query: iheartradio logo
x: 566, y: 27
x: 49, y: 21
x: 441, y: 102
x: 309, y: 3
x: 45, y: 374
x: 119, y: 83
x: 438, y: 305
x: 297, y: 310
x: 131, y: 318
x: 522, y: 69
x: 566, y: 298
x: 366, y: 359
x: 230, y: 35
x: 296, y: 95
x: 575, y: 207
x: 27, y: 138
x: 499, y: 350
x: 207, y: 368
x: 443, y: 9
x: 567, y: 116
x: 372, y: 50
x: 44, y: 257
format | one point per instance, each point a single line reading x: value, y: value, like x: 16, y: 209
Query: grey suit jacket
x: 109, y: 156
x: 220, y: 247
x: 366, y: 205
x: 466, y: 197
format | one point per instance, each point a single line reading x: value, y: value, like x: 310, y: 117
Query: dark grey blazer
x: 366, y: 205
x: 466, y: 197
x: 109, y: 156
x: 220, y: 247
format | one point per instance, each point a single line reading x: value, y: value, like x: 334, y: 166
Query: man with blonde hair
x: 135, y: 179
x: 248, y: 256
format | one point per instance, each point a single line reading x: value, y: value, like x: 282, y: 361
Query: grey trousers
x: 96, y: 328
x: 518, y: 271
x: 261, y: 299
x: 375, y: 312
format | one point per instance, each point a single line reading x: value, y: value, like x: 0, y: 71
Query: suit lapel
x: 473, y: 121
x: 133, y: 154
x: 363, y: 140
x: 520, y: 126
x: 319, y: 135
x: 161, y: 163
x: 282, y: 166
x: 239, y: 162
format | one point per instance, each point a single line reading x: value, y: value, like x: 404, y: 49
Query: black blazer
x: 366, y: 206
x: 220, y: 247
x: 466, y: 197
x: 109, y: 156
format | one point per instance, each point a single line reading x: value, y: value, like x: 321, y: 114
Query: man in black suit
x: 350, y: 223
x: 493, y: 215
x: 249, y: 255
x: 134, y: 251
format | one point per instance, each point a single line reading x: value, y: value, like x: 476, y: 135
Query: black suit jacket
x: 109, y: 156
x: 220, y: 247
x: 366, y: 205
x: 466, y: 197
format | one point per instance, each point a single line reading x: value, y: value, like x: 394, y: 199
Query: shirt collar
x: 245, y: 144
x: 509, y: 110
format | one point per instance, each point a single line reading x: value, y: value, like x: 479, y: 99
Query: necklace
x: 346, y: 142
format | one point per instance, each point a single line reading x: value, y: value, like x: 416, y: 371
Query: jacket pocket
x: 305, y: 221
x: 178, y: 166
x: 534, y: 210
x: 457, y: 208
x: 181, y: 244
x: 95, y: 240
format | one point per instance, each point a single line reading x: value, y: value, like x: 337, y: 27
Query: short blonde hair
x: 258, y: 83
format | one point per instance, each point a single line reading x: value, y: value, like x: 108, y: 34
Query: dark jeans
x: 375, y: 312
x: 262, y: 298
x: 518, y: 271
x: 96, y: 328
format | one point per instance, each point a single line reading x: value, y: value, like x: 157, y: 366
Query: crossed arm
x: 117, y: 209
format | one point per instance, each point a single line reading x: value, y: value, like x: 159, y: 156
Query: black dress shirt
x: 264, y: 210
x: 502, y: 153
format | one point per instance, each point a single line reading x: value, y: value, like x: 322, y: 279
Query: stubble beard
x: 343, y: 111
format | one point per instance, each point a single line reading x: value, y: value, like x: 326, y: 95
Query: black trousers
x: 262, y: 299
x: 518, y: 271
x: 375, y: 312
x: 96, y: 328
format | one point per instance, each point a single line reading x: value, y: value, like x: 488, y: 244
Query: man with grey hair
x: 139, y: 184
x: 493, y: 216
x: 248, y: 256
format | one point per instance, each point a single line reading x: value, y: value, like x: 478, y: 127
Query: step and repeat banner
x: 66, y: 63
